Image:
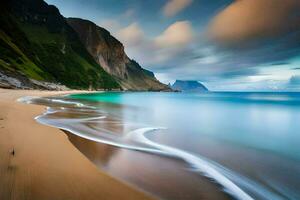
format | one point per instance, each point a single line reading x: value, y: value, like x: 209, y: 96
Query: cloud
x: 172, y: 42
x: 178, y: 34
x: 251, y: 20
x: 131, y: 35
x: 114, y: 24
x: 160, y: 50
x: 110, y: 25
x: 175, y: 6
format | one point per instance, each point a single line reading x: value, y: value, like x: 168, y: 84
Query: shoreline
x: 143, y: 170
x: 40, y: 162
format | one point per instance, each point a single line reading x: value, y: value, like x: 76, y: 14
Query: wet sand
x: 39, y: 162
x: 167, y: 178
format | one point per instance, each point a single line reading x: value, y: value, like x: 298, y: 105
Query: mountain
x: 109, y: 53
x: 40, y: 50
x: 189, y: 86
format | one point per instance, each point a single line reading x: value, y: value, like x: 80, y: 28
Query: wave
x: 208, y: 168
x: 236, y: 185
x: 52, y: 101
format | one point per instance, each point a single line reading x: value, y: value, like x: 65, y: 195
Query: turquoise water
x: 266, y: 121
x: 248, y: 144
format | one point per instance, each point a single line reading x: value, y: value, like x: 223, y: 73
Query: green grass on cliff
x: 13, y: 59
x: 66, y: 61
x: 49, y: 53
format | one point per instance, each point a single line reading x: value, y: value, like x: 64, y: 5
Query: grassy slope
x: 48, y: 50
x: 12, y: 57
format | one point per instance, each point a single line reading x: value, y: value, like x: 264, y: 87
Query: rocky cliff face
x: 110, y: 54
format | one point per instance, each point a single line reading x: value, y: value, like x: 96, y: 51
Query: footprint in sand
x: 1, y: 119
x: 12, y: 152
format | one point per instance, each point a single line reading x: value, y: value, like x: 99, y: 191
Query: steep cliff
x: 37, y: 44
x: 110, y: 54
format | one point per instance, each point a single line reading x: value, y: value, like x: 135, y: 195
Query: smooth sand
x: 39, y: 162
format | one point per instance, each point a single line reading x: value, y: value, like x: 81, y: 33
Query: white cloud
x: 131, y: 35
x: 175, y: 6
x: 113, y: 24
x: 178, y: 34
x: 173, y: 41
x: 253, y: 20
x: 208, y: 56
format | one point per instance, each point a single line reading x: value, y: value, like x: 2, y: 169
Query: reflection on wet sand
x: 98, y: 154
x: 168, y: 178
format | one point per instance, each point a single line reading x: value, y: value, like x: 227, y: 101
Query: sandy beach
x: 39, y: 162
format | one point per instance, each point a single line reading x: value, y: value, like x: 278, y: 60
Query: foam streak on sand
x: 105, y: 139
x: 196, y: 162
x: 231, y: 182
x: 210, y: 169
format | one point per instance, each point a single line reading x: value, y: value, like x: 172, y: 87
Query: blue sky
x: 225, y: 44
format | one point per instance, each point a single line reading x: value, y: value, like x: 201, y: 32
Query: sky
x: 228, y: 45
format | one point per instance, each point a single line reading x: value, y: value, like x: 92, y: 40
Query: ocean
x: 215, y: 145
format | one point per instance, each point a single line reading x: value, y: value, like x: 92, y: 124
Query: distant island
x: 189, y: 86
